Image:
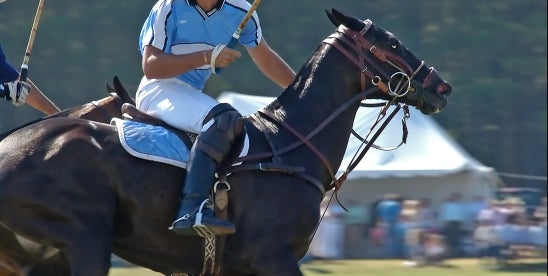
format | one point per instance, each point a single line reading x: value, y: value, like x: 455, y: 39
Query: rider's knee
x: 226, y: 130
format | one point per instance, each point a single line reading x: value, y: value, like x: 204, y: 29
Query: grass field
x: 461, y: 267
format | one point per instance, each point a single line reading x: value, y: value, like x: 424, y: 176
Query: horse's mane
x: 63, y: 113
x: 300, y: 79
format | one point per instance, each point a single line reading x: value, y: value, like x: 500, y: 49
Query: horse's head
x: 120, y: 91
x: 391, y: 66
x: 102, y: 110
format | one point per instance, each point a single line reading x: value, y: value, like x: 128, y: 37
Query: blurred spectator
x: 388, y: 211
x: 488, y: 214
x: 435, y: 249
x: 540, y: 212
x: 427, y: 217
x: 414, y: 241
x: 487, y: 241
x: 411, y: 232
x: 406, y: 223
x: 452, y: 216
x: 501, y: 213
x: 504, y: 230
x: 373, y: 215
x: 355, y: 227
x: 472, y: 209
x: 376, y: 239
x: 538, y: 234
x: 328, y: 243
x: 515, y: 205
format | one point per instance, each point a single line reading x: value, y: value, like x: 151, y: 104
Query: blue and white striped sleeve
x: 157, y: 27
x: 252, y: 34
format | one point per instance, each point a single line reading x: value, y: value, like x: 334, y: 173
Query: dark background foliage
x: 493, y: 53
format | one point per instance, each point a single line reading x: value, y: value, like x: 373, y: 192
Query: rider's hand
x: 222, y: 56
x: 227, y: 57
x: 17, y: 92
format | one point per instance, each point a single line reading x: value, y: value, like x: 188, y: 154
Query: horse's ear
x: 110, y: 89
x: 331, y: 18
x: 338, y: 17
x: 122, y: 91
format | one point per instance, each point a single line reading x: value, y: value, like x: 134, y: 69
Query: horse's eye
x: 394, y: 43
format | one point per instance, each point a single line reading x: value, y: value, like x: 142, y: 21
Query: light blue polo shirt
x: 182, y: 27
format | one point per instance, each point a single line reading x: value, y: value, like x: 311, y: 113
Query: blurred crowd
x: 411, y: 229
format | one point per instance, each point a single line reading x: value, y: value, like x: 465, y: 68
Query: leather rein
x: 353, y: 45
x: 357, y: 43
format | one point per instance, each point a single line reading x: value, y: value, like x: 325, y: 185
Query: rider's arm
x: 271, y: 64
x: 39, y: 101
x: 159, y: 65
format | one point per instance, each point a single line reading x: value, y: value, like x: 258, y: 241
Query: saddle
x: 213, y: 246
x: 130, y: 112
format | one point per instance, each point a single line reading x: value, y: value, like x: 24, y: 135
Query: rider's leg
x: 210, y: 149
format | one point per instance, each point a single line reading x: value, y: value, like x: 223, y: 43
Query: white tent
x: 430, y: 165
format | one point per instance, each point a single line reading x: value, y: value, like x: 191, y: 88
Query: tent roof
x: 429, y: 150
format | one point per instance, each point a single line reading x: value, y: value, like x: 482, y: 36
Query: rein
x: 344, y: 38
x: 302, y: 140
x: 404, y: 131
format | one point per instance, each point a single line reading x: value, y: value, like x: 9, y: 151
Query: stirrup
x: 201, y: 229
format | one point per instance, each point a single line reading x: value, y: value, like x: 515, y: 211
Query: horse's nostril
x: 444, y: 89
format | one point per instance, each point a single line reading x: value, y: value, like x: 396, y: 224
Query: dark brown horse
x: 69, y: 184
x: 17, y: 253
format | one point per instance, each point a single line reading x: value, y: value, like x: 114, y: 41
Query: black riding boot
x: 199, y: 180
x: 210, y: 149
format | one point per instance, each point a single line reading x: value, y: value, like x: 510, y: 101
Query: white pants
x: 175, y: 102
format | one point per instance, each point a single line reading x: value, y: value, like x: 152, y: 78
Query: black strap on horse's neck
x: 302, y: 140
x: 335, y: 114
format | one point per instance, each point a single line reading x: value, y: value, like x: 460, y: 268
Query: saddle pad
x: 154, y: 143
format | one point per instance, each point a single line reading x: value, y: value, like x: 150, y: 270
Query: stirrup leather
x: 201, y: 229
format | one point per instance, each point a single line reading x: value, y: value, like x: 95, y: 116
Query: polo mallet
x: 236, y: 35
x: 25, y: 65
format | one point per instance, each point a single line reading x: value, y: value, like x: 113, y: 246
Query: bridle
x: 352, y: 44
x: 99, y: 106
x: 355, y: 47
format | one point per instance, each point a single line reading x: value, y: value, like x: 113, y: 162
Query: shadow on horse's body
x: 27, y: 254
x: 69, y: 183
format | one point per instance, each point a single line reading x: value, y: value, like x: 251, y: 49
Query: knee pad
x: 226, y: 131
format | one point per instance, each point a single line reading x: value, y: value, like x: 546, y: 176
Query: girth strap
x: 273, y: 167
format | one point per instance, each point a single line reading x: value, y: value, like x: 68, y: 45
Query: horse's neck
x: 322, y: 86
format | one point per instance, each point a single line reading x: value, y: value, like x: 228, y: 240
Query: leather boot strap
x: 214, y: 256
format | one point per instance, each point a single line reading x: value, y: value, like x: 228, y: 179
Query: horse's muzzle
x: 433, y: 82
x: 430, y: 95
